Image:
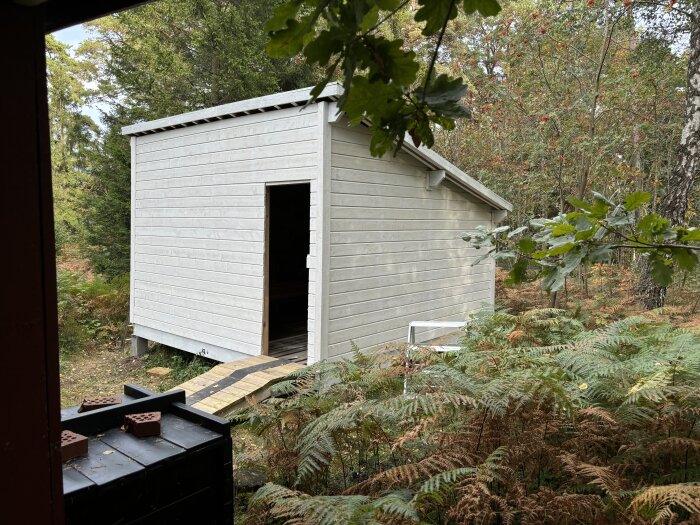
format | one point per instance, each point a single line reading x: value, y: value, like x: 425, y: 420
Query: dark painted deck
x: 293, y: 348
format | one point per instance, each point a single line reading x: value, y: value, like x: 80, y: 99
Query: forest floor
x: 101, y: 365
x: 103, y: 370
x: 95, y: 357
x: 610, y: 295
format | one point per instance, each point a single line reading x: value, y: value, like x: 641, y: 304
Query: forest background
x: 564, y: 98
x: 548, y: 416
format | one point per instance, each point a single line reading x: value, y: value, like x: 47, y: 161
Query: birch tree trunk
x: 674, y: 204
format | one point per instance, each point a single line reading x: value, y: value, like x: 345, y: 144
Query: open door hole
x: 287, y: 274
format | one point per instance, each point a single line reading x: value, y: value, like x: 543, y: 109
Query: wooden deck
x: 293, y: 348
x: 229, y: 386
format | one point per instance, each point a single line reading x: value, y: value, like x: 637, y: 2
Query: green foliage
x: 107, y: 204
x: 531, y: 72
x: 590, y: 234
x: 72, y: 137
x: 184, y: 366
x: 535, y: 420
x: 91, y: 310
x: 174, y: 56
x: 380, y: 75
x: 155, y: 61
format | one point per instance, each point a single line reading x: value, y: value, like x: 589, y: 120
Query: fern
x: 586, y: 418
x: 664, y: 498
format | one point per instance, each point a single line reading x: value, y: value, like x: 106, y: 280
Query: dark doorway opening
x: 286, y: 274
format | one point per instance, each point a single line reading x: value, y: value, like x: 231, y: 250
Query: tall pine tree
x: 162, y: 59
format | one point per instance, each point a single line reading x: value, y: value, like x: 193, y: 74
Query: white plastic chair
x: 411, y: 342
x: 433, y: 324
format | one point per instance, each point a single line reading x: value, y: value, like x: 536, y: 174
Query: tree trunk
x: 593, y: 112
x: 674, y: 204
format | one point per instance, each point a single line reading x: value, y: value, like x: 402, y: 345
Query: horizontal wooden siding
x: 396, y: 252
x: 199, y: 218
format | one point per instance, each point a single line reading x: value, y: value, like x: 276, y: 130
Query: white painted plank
x: 202, y: 212
x: 283, y: 161
x: 388, y: 236
x: 205, y: 223
x: 210, y: 254
x: 376, y: 165
x: 359, y: 151
x: 211, y: 149
x: 456, y: 223
x: 387, y: 201
x: 195, y: 284
x: 256, y: 154
x: 377, y: 332
x: 234, y: 189
x: 207, y: 244
x: 237, y: 301
x: 461, y: 255
x: 228, y: 131
x: 450, y: 276
x: 167, y: 271
x: 201, y: 202
x: 378, y: 213
x: 208, y: 175
x: 365, y: 312
x: 373, y: 248
x: 241, y: 318
x: 203, y: 233
x: 193, y: 346
x: 177, y: 328
x: 195, y: 326
x: 235, y: 268
x: 415, y: 269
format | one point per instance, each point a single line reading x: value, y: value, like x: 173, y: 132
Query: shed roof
x: 300, y: 97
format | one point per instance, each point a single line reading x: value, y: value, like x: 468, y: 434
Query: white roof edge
x: 458, y: 176
x: 295, y: 97
x: 302, y: 96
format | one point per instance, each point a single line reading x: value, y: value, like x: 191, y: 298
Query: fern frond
x: 399, y: 504
x: 406, y: 474
x: 683, y: 495
x: 435, y: 483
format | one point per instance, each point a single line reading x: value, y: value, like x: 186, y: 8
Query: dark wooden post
x: 30, y: 468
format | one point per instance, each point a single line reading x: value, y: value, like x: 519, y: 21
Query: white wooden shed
x: 265, y: 225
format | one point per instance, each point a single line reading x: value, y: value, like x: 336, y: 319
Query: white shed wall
x: 198, y: 212
x: 395, y: 253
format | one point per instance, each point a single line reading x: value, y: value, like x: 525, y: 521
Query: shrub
x: 91, y: 310
x: 184, y: 365
x: 535, y: 420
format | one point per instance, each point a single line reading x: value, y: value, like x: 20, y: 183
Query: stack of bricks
x: 151, y: 459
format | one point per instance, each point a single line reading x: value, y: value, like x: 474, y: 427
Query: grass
x: 93, y: 331
x: 100, y: 370
x: 184, y: 366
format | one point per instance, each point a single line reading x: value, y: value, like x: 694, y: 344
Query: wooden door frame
x: 265, y: 340
x: 265, y: 344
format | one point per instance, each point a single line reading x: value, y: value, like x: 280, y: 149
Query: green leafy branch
x: 553, y: 248
x: 380, y: 77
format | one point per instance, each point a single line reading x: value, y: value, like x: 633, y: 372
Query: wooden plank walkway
x: 229, y: 386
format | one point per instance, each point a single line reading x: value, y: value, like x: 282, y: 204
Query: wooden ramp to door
x: 228, y: 386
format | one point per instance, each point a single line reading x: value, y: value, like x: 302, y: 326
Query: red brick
x: 73, y: 445
x: 94, y: 403
x: 143, y: 425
